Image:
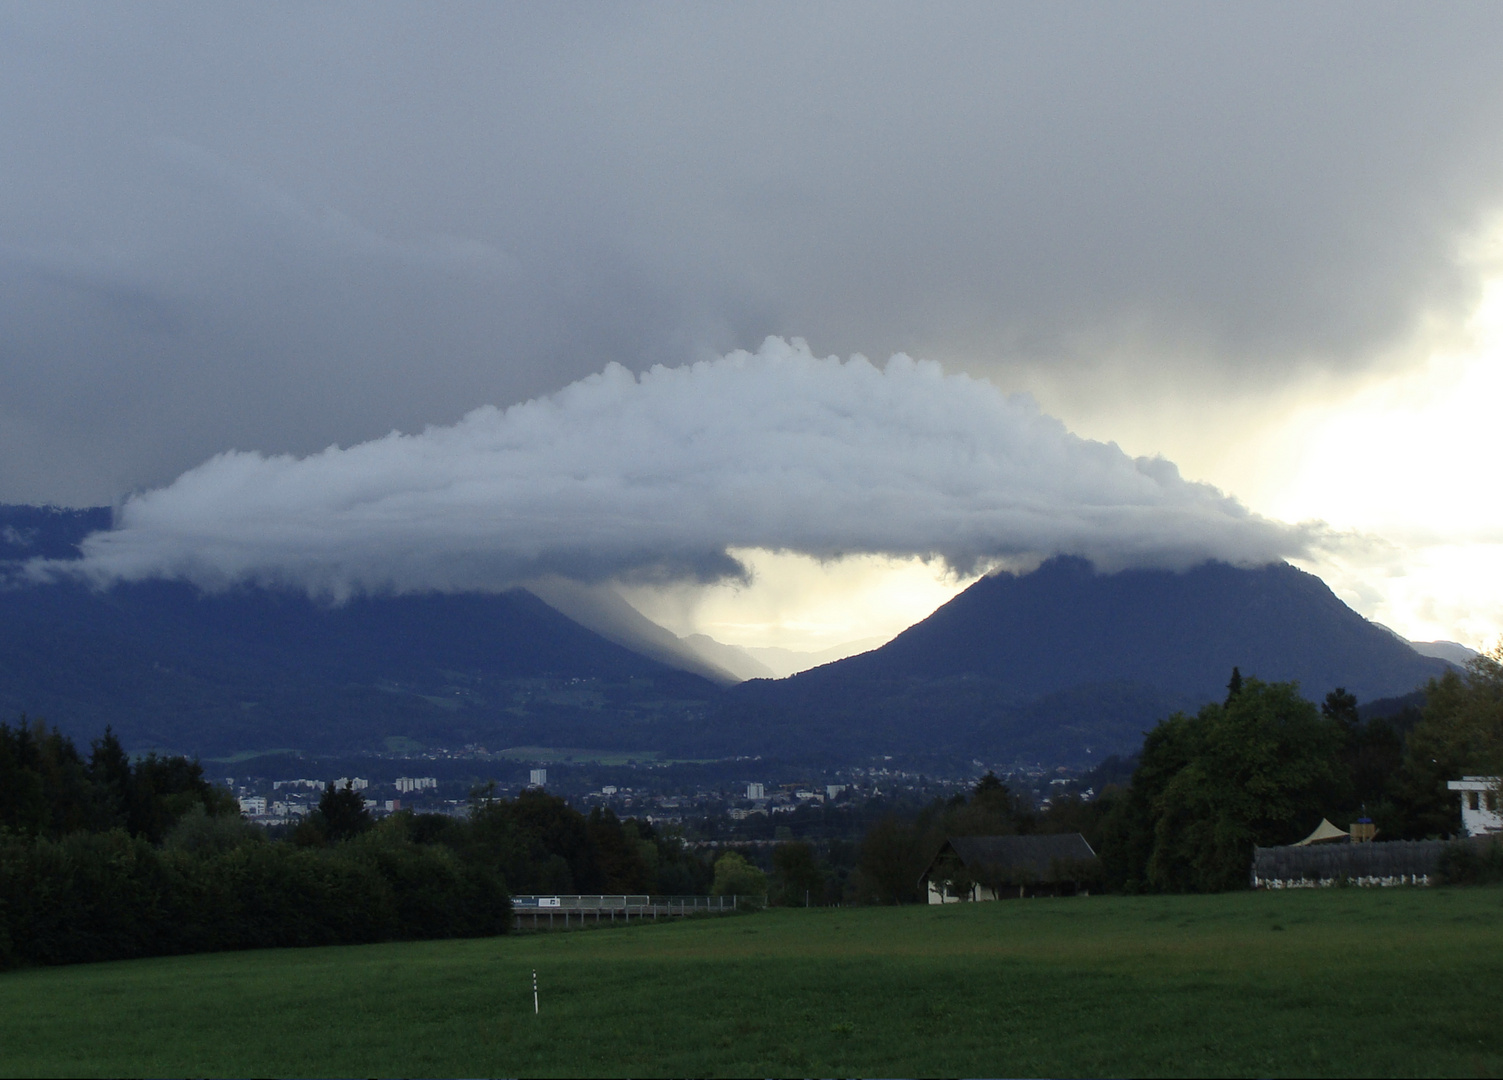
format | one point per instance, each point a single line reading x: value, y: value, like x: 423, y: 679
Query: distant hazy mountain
x: 738, y: 661
x: 785, y: 662
x: 603, y: 610
x: 1069, y: 664
x: 1451, y: 651
x: 256, y: 669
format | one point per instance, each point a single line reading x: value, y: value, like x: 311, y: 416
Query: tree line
x: 1261, y: 767
x: 103, y: 857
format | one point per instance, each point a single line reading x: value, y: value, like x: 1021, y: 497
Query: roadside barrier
x: 567, y: 912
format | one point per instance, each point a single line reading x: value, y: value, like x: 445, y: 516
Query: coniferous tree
x: 1234, y: 687
x: 343, y: 812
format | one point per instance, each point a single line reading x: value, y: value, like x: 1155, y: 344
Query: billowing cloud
x: 658, y: 475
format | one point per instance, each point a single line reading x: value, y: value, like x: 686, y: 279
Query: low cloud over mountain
x: 660, y: 474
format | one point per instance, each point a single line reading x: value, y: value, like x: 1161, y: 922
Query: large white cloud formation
x: 621, y: 476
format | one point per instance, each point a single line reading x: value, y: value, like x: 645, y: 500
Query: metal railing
x: 623, y: 902
x: 564, y: 911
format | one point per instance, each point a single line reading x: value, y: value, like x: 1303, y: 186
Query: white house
x: 1481, y: 813
x: 254, y: 805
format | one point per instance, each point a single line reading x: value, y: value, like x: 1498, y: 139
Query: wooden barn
x: 999, y: 867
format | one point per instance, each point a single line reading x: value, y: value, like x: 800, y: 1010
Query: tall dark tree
x: 109, y: 771
x: 343, y: 812
x: 993, y: 796
x: 617, y: 854
x: 554, y: 827
x: 890, y: 860
x: 1262, y: 769
x: 44, y: 789
x: 1341, y: 706
x: 1461, y: 734
x: 1234, y: 686
x: 163, y: 789
x: 47, y: 789
x: 798, y: 879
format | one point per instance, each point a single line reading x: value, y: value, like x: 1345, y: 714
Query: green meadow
x: 564, y: 755
x: 1334, y: 982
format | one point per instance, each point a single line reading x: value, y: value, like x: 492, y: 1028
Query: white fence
x: 1377, y: 863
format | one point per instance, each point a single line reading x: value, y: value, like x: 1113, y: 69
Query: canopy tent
x: 1325, y: 833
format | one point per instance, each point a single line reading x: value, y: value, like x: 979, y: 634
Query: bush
x: 734, y: 876
x: 1471, y: 862
x: 798, y: 878
x: 110, y: 896
x: 197, y: 832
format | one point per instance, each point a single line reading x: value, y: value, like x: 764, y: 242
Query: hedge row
x: 110, y: 896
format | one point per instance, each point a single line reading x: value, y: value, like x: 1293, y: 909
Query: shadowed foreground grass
x: 1335, y: 982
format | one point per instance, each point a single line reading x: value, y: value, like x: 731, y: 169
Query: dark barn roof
x: 1035, y: 853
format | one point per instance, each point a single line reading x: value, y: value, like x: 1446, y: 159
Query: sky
x: 1176, y: 280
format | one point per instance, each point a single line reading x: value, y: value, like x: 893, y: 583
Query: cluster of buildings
x: 291, y: 800
x: 743, y: 806
x: 785, y: 799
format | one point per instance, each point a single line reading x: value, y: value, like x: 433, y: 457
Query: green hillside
x: 1335, y: 982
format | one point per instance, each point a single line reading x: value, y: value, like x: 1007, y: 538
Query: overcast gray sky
x: 277, y: 227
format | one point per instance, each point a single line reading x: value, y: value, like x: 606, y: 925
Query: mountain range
x: 1063, y: 665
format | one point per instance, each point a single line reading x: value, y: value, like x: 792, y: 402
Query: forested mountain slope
x: 249, y: 669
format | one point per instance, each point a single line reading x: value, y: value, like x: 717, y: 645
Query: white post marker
x: 534, y: 991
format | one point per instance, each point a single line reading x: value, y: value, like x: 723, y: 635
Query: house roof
x: 1033, y: 852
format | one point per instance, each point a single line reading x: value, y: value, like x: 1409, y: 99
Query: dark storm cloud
x: 274, y: 228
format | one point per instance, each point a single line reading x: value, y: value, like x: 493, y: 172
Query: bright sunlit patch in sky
x: 1410, y: 461
x: 797, y: 602
x: 1412, y: 455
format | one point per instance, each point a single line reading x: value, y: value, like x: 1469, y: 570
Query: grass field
x: 1335, y: 982
x: 563, y: 755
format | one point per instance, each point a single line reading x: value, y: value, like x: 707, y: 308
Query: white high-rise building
x: 756, y: 791
x: 538, y: 777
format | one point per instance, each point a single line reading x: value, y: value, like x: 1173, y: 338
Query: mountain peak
x: 1067, y: 662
